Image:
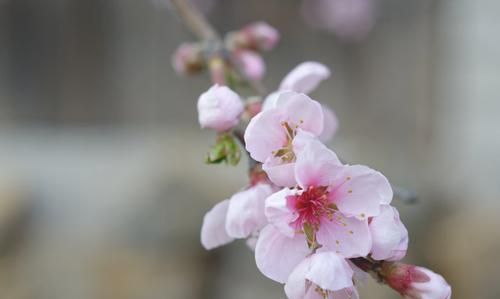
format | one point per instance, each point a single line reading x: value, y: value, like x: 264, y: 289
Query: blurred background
x: 102, y: 181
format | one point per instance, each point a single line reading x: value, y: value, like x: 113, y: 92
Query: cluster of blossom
x: 315, y: 223
x: 243, y: 48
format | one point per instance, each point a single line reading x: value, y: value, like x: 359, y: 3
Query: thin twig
x: 196, y: 22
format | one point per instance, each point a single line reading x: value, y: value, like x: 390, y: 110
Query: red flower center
x: 312, y: 205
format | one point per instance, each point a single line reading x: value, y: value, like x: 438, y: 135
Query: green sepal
x: 226, y: 149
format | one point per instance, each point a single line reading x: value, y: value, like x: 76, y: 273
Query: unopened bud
x: 258, y: 36
x: 414, y: 282
x: 188, y: 59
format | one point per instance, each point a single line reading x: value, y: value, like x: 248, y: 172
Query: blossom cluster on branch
x: 316, y: 224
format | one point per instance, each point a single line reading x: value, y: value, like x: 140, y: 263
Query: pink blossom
x: 187, y: 59
x: 219, y: 108
x: 270, y: 135
x: 240, y: 217
x: 329, y: 209
x: 414, y: 282
x: 319, y: 276
x: 305, y: 77
x: 389, y: 235
x: 260, y: 36
x: 251, y: 64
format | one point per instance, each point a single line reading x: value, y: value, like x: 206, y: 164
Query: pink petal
x: 302, y: 111
x: 316, y: 165
x: 277, y: 255
x: 347, y: 236
x: 271, y: 101
x: 329, y: 271
x: 330, y: 124
x: 245, y: 214
x: 213, y: 231
x: 305, y: 77
x: 296, y: 285
x: 265, y: 134
x: 281, y: 174
x: 278, y: 213
x: 360, y: 191
x: 389, y: 235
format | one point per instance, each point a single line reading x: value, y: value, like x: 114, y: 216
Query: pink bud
x: 219, y: 108
x: 414, y: 282
x: 187, y: 59
x: 261, y: 36
x: 252, y: 65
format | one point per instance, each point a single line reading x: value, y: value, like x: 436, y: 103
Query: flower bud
x: 260, y: 36
x: 219, y: 108
x: 188, y: 59
x: 414, y: 282
x: 251, y: 64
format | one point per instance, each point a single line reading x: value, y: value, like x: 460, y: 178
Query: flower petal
x: 347, y: 236
x: 277, y: 255
x: 278, y: 213
x: 302, y: 111
x: 279, y: 172
x: 305, y: 77
x: 265, y: 134
x: 330, y: 124
x: 316, y: 165
x: 295, y: 287
x: 360, y: 191
x: 245, y: 214
x: 389, y: 235
x: 213, y: 231
x: 271, y: 101
x: 329, y: 271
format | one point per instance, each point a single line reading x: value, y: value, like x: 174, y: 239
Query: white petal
x: 277, y: 255
x: 330, y: 271
x: 305, y: 77
x: 213, y: 231
x: 278, y: 213
x: 246, y: 211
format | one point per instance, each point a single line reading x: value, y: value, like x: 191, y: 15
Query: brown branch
x: 196, y: 22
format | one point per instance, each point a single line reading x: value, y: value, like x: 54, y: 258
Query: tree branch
x: 196, y: 22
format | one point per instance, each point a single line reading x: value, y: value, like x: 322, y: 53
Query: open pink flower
x: 414, y: 282
x: 219, y: 108
x: 240, y: 217
x: 270, y: 135
x: 389, y: 235
x: 329, y: 209
x: 304, y: 78
x: 323, y: 275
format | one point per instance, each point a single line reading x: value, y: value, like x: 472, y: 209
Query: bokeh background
x: 102, y: 180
